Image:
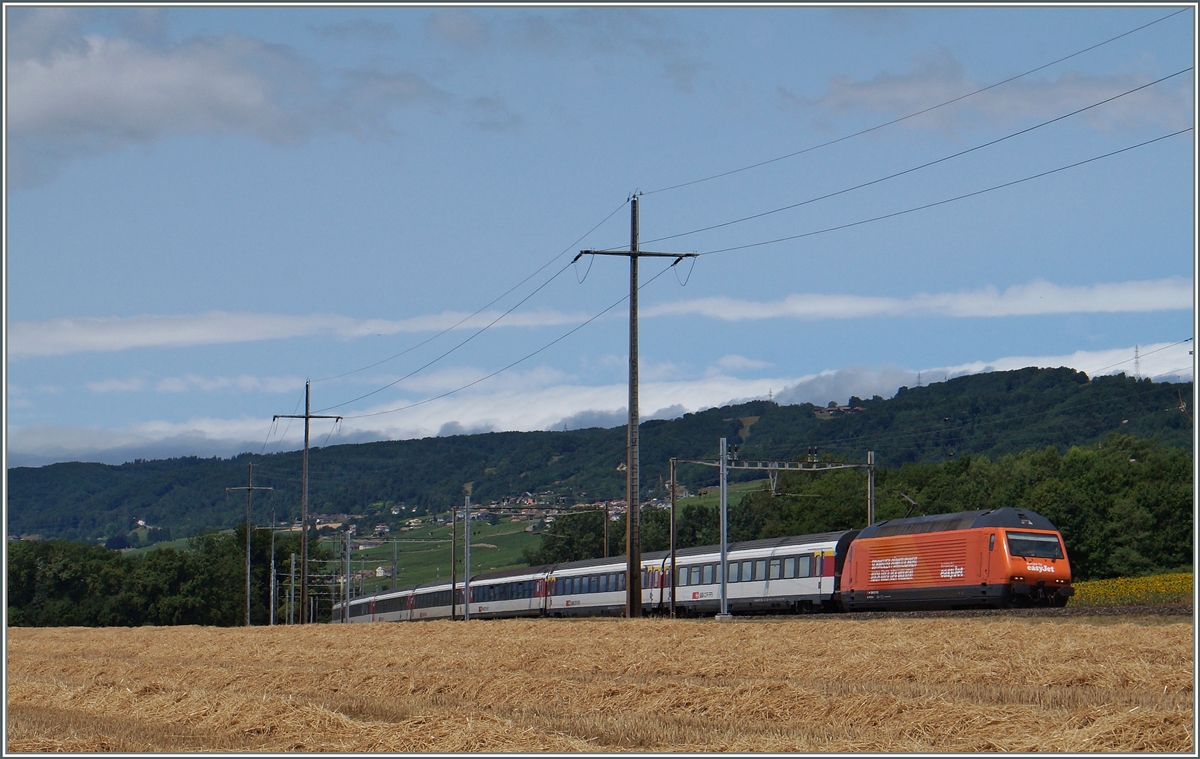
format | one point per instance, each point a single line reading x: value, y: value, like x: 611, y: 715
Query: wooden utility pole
x: 606, y: 529
x: 633, y: 538
x: 467, y: 558
x: 274, y: 579
x: 453, y: 563
x: 673, y: 571
x: 249, y: 492
x: 304, y: 493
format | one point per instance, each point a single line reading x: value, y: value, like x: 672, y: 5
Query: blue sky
x: 207, y: 206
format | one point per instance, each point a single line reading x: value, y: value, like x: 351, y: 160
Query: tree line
x: 64, y: 583
x: 1124, y: 506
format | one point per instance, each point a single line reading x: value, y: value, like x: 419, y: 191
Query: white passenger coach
x: 794, y: 574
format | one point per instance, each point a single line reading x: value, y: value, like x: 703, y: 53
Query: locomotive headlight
x: 1017, y: 578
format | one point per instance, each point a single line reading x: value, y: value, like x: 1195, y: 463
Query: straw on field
x: 833, y: 685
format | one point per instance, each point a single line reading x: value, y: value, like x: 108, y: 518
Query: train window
x: 992, y: 541
x: 706, y: 574
x: 694, y: 578
x: 594, y: 584
x: 682, y: 580
x: 621, y: 581
x: 733, y: 571
x: 1034, y: 545
x: 747, y: 571
x: 775, y: 568
x: 789, y: 567
x: 760, y: 569
x: 603, y: 583
x: 804, y: 569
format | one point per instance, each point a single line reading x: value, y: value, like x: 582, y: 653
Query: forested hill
x: 983, y: 414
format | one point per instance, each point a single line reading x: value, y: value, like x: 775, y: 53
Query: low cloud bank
x: 546, y: 407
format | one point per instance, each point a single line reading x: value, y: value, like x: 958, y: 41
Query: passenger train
x: 994, y: 558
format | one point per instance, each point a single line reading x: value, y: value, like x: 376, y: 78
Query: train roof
x: 683, y: 553
x: 962, y: 520
x: 749, y: 545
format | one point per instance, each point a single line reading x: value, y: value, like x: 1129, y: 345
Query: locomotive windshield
x: 1032, y: 545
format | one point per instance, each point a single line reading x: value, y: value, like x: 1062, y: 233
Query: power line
x: 481, y: 309
x: 528, y: 356
x: 1126, y: 361
x: 944, y: 202
x: 456, y: 347
x: 912, y: 115
x: 917, y: 168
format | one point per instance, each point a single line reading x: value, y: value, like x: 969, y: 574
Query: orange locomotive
x: 998, y: 557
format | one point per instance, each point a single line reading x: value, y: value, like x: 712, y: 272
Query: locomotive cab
x: 995, y: 557
x: 1037, y: 570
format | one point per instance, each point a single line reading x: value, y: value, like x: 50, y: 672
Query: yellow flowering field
x: 1121, y: 591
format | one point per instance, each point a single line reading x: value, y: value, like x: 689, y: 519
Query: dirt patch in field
x: 842, y: 685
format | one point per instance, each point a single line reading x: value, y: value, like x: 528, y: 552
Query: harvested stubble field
x: 812, y: 685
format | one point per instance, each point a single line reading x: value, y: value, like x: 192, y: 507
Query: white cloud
x: 1036, y: 298
x: 734, y: 362
x: 117, y: 385
x: 939, y: 78
x: 520, y: 405
x: 70, y: 96
x: 62, y: 336
x: 244, y: 383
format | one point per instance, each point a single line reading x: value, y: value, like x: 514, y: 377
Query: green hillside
x: 984, y: 414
